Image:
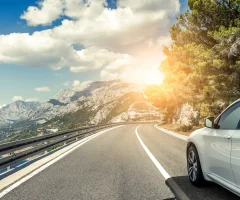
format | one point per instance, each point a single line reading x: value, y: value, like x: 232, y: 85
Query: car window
x: 230, y: 119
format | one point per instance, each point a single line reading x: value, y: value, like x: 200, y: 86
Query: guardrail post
x: 46, y: 150
x: 65, y: 141
x: 77, y: 137
x: 10, y: 154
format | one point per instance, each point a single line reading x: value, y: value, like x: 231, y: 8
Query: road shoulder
x: 180, y: 136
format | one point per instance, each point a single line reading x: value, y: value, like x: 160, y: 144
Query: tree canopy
x: 203, y: 63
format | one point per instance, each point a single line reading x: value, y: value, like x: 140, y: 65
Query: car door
x: 235, y: 156
x: 235, y: 153
x: 219, y: 144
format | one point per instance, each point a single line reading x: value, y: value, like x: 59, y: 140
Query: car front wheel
x: 194, y: 167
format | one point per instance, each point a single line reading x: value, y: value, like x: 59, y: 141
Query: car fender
x: 197, y: 139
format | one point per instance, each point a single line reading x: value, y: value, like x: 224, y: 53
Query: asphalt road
x: 115, y: 166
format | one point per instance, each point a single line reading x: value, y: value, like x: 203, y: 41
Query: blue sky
x: 20, y: 79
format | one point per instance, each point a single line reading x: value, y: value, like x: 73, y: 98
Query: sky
x: 48, y: 45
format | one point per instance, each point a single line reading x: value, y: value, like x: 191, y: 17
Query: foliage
x: 186, y: 128
x: 23, y: 135
x: 202, y: 67
x: 71, y: 126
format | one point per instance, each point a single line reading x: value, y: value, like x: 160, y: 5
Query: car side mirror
x: 209, y: 122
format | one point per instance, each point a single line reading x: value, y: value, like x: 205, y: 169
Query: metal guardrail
x: 26, y: 148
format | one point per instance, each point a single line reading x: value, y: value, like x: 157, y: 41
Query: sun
x: 153, y: 77
x: 144, y: 75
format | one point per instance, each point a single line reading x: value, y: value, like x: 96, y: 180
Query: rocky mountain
x: 87, y: 103
x: 16, y: 111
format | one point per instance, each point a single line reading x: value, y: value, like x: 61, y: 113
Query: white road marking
x: 183, y: 137
x: 85, y: 140
x: 151, y: 156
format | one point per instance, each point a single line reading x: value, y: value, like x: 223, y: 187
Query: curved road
x: 115, y: 166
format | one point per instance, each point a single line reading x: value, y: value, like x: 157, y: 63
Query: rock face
x: 90, y: 102
x: 64, y: 95
x: 139, y: 110
x: 235, y: 49
x: 187, y: 114
x: 16, y: 111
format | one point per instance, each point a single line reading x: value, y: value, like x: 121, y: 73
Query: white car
x: 213, y: 152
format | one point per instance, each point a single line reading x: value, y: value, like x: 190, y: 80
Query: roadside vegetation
x: 180, y: 128
x: 202, y: 68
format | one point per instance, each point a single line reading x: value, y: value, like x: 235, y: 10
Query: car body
x: 213, y: 152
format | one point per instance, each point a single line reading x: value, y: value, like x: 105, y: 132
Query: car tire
x: 195, y: 174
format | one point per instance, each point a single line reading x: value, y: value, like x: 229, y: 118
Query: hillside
x: 86, y: 104
x: 17, y: 111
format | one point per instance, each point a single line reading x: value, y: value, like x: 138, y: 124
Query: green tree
x: 203, y: 63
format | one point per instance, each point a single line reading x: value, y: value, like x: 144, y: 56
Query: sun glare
x: 153, y: 77
x: 150, y: 76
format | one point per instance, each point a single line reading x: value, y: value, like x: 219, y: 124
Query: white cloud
x: 89, y: 8
x: 45, y: 51
x: 66, y: 83
x: 34, y: 99
x: 113, y: 28
x: 110, y: 27
x: 144, y: 65
x: 112, y: 40
x: 94, y: 58
x: 107, y: 75
x: 134, y: 74
x: 76, y: 83
x: 42, y: 89
x: 172, y: 6
x: 45, y: 13
x: 167, y: 40
x: 1, y: 106
x: 131, y: 22
x: 17, y: 98
x: 37, y: 50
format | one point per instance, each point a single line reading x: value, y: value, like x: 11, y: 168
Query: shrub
x: 186, y: 128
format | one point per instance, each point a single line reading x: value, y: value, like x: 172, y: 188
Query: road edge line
x: 151, y: 156
x: 48, y: 164
x: 177, y: 135
x: 176, y: 190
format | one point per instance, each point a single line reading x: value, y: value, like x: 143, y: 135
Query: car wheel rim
x: 192, y: 166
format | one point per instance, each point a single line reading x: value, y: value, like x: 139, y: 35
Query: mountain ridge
x: 98, y: 102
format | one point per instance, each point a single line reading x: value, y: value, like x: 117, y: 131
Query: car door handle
x: 228, y: 137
